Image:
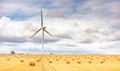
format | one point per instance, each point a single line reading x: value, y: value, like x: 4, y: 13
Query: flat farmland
x: 59, y: 62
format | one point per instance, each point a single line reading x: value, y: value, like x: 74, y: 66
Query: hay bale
x: 50, y: 61
x: 68, y: 62
x: 21, y: 60
x: 89, y: 62
x: 101, y: 62
x: 32, y: 63
x: 79, y: 62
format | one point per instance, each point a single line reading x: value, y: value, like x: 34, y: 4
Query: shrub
x: 12, y: 52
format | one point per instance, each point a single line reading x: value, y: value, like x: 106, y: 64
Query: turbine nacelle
x: 44, y: 28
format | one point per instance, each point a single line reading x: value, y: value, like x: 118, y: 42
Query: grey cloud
x: 100, y: 9
x: 115, y: 26
x: 34, y: 50
x: 68, y: 45
x: 64, y: 36
x: 62, y: 3
x: 107, y: 33
x: 26, y: 8
x: 32, y: 7
x: 55, y: 14
x: 12, y: 39
x: 87, y: 41
x: 20, y: 1
x: 37, y: 40
x: 92, y: 30
x: 75, y: 25
x: 68, y: 50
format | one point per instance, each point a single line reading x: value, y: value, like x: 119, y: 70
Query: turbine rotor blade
x: 41, y: 19
x: 48, y: 32
x: 35, y: 33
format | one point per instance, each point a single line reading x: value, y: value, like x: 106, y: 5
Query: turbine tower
x: 43, y: 29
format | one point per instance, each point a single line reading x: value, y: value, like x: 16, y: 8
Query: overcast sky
x: 77, y: 26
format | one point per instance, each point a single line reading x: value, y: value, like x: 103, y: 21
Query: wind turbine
x: 43, y: 29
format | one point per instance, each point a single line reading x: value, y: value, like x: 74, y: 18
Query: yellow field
x: 58, y: 62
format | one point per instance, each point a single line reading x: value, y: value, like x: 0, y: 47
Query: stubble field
x: 59, y: 62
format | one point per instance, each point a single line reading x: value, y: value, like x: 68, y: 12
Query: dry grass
x: 66, y: 62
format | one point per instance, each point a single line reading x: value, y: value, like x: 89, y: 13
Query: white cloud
x: 69, y: 33
x: 79, y: 31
